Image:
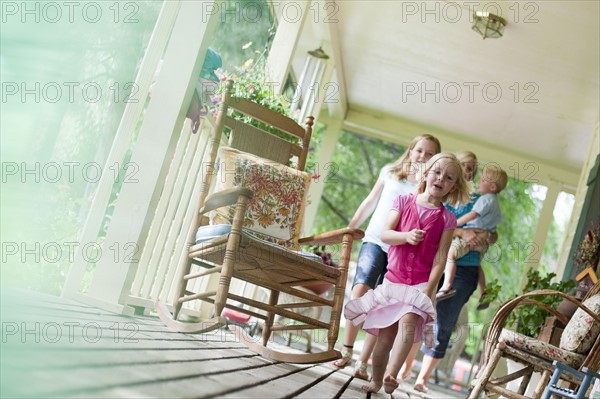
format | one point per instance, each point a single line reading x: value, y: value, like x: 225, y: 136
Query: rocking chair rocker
x: 256, y: 213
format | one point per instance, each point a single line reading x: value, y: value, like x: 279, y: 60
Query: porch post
x: 289, y: 28
x: 531, y: 253
x: 323, y: 168
x: 158, y: 135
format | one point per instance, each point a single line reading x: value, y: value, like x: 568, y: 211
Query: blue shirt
x: 473, y: 258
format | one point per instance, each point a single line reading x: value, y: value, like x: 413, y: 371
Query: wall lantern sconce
x: 309, y: 84
x: 488, y: 25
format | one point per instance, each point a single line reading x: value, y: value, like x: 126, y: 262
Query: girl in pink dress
x: 419, y: 230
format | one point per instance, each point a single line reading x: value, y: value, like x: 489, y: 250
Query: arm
x: 367, y: 207
x: 439, y: 263
x: 467, y: 217
x: 389, y: 235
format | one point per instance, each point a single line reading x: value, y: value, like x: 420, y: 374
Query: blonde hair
x: 402, y: 167
x: 460, y: 195
x: 496, y: 175
x: 466, y: 156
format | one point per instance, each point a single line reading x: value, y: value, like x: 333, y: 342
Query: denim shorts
x: 371, y: 265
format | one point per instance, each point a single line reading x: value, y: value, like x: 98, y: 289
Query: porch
x: 57, y: 347
x: 51, y: 342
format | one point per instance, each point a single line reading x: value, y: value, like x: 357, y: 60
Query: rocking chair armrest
x: 225, y: 198
x: 331, y: 237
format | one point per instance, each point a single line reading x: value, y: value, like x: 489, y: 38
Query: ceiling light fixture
x: 488, y: 25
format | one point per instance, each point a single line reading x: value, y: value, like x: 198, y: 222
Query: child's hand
x: 415, y: 236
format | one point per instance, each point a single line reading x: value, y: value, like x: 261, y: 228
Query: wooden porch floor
x: 55, y: 347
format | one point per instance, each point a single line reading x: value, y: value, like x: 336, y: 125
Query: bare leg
x: 363, y: 359
x: 450, y: 269
x: 351, y: 331
x: 403, y: 347
x: 385, y: 342
x: 403, y: 342
x: 408, y: 363
x: 429, y: 363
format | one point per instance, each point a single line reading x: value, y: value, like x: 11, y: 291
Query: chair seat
x: 277, y: 264
x: 207, y: 233
x: 540, y: 349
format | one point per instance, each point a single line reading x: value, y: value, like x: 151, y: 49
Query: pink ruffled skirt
x: 388, y: 303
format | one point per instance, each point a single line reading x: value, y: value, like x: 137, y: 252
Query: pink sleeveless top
x: 411, y: 264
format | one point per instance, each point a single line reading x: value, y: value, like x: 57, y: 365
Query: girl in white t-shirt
x: 394, y: 179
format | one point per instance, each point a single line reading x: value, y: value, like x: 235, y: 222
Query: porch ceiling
x: 534, y: 92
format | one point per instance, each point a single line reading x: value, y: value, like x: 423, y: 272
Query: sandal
x: 345, y: 359
x: 445, y: 294
x: 360, y: 371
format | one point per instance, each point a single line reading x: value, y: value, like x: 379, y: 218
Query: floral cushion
x: 582, y: 330
x: 275, y: 212
x: 540, y: 349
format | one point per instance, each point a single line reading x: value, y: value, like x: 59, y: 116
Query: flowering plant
x: 252, y: 82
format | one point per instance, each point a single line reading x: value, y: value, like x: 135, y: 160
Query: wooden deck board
x: 55, y: 347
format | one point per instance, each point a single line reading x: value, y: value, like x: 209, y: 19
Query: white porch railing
x: 164, y: 253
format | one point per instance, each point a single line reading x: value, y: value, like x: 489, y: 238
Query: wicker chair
x: 534, y: 355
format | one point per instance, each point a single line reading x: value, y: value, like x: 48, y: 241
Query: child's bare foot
x: 420, y: 387
x: 390, y: 384
x: 405, y: 375
x: 372, y: 387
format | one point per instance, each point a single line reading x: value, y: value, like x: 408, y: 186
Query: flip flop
x: 445, y: 294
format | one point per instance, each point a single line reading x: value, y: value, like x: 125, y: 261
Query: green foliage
x: 530, y: 318
x: 349, y: 177
x: 252, y: 23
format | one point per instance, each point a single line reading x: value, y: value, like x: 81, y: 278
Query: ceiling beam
x: 518, y: 165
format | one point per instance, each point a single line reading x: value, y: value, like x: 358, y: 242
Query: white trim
x: 522, y: 166
x: 131, y: 115
x: 315, y: 192
x: 154, y: 148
